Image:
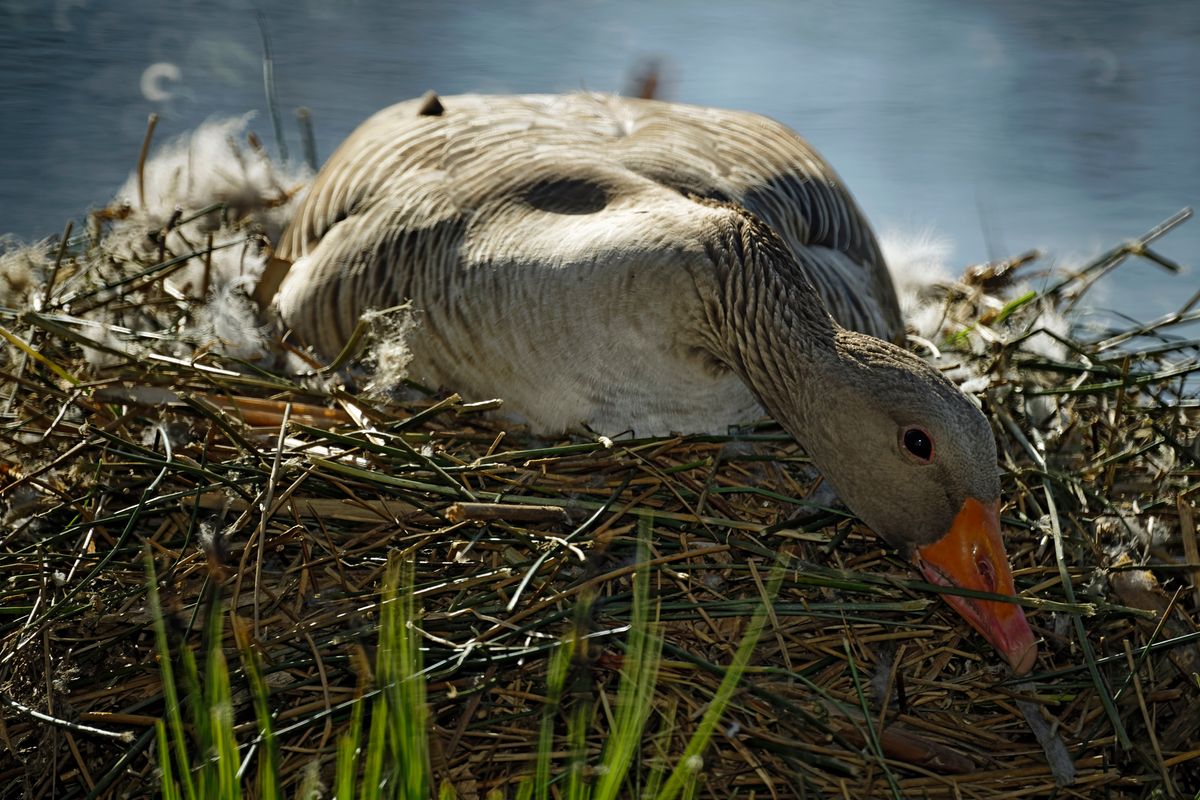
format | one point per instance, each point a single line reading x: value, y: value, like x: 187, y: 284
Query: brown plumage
x: 653, y: 267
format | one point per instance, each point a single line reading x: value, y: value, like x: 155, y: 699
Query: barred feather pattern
x: 575, y: 242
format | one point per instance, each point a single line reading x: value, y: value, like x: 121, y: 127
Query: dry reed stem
x: 286, y: 499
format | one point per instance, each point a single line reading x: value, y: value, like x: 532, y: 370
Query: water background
x: 1068, y: 126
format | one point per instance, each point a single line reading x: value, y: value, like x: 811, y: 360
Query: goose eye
x: 919, y: 443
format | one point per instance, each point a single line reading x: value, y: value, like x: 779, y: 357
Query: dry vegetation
x: 285, y: 496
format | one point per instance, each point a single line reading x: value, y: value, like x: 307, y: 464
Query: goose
x: 655, y: 267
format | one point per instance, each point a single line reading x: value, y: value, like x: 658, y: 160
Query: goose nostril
x: 987, y: 572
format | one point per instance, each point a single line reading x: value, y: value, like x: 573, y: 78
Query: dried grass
x: 285, y: 496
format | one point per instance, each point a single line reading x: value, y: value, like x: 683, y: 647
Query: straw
x: 285, y: 497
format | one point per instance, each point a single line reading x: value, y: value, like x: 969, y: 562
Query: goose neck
x: 778, y: 334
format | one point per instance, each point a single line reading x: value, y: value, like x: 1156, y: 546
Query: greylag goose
x: 648, y: 266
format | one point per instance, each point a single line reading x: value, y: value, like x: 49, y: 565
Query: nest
x: 284, y: 497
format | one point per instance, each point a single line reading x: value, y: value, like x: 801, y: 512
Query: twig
x: 269, y: 86
x: 124, y: 737
x: 484, y: 512
x: 304, y: 117
x: 1191, y: 547
x: 1109, y: 260
x: 1141, y: 698
x: 151, y: 124
x: 58, y: 259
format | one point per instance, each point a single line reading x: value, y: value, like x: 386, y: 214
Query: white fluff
x: 213, y: 164
x: 229, y: 323
x: 390, y: 354
x: 918, y: 266
x: 23, y: 275
x: 917, y: 263
x: 24, y: 270
x: 99, y: 359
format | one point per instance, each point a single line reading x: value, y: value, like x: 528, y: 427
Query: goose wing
x: 408, y: 196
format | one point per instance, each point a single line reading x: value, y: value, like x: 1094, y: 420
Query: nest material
x: 286, y: 497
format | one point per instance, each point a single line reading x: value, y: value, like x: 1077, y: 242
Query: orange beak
x: 971, y: 556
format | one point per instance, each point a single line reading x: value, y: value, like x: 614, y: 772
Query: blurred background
x: 1001, y: 126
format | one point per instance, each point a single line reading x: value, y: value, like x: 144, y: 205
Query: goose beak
x: 971, y: 556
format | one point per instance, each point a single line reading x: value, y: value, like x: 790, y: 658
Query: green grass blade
x: 660, y: 742
x: 1103, y: 692
x: 870, y: 733
x: 377, y: 747
x: 170, y: 789
x: 174, y: 716
x: 1012, y: 305
x: 268, y: 753
x: 639, y: 674
x: 691, y: 783
x: 200, y: 720
x: 399, y: 673
x: 347, y: 755
x: 218, y: 699
x: 556, y: 678
x: 689, y: 764
x: 577, y: 728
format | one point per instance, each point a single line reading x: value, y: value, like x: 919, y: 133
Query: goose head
x: 914, y: 458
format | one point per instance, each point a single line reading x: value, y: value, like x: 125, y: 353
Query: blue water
x: 1068, y: 126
